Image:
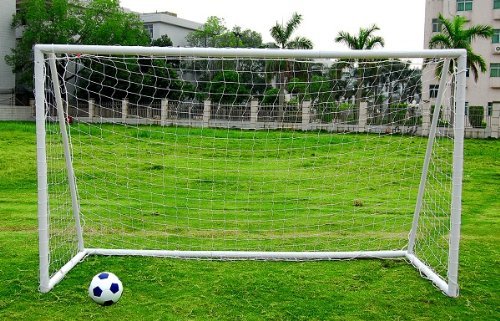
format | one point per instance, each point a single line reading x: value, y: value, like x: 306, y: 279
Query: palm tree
x: 365, y: 40
x: 282, y: 35
x: 454, y: 36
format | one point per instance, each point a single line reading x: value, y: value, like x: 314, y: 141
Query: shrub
x: 476, y: 114
x: 271, y: 96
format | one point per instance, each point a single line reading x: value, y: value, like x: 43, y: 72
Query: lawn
x: 167, y: 289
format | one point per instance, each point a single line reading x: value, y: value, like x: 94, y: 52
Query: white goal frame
x: 449, y: 286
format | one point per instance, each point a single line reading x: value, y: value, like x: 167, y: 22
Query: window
x: 433, y: 91
x: 496, y: 4
x: 495, y: 70
x: 464, y: 5
x: 149, y: 28
x: 496, y: 36
x: 489, y: 111
x: 436, y: 25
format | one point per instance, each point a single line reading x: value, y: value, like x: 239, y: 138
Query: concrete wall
x: 21, y: 113
x: 7, y: 42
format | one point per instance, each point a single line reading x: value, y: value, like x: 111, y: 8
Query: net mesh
x: 248, y: 154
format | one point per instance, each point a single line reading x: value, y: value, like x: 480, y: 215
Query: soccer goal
x: 259, y: 154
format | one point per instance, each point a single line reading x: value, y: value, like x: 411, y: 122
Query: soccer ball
x: 105, y: 288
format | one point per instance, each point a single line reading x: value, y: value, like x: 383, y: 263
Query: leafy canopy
x: 215, y: 34
x: 455, y: 36
x: 100, y: 22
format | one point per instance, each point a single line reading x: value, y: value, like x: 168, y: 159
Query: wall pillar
x: 164, y: 112
x: 254, y: 113
x: 124, y: 109
x: 306, y: 115
x: 426, y: 118
x: 207, y: 109
x: 91, y: 110
x: 363, y: 116
x: 495, y: 120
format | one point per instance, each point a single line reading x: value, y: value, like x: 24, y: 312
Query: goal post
x: 260, y: 154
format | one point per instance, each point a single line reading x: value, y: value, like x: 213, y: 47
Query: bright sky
x: 401, y: 21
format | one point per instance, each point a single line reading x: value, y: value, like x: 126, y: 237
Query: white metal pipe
x: 59, y: 275
x: 428, y: 272
x: 243, y: 255
x: 246, y: 52
x: 67, y: 151
x: 41, y: 156
x: 456, y: 192
x: 428, y: 155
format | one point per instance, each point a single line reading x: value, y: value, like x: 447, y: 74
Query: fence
x: 479, y: 122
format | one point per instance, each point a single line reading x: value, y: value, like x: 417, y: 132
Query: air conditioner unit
x: 496, y: 49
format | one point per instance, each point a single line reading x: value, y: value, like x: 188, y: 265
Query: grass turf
x: 174, y: 289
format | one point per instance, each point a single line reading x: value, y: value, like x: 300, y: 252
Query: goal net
x: 249, y: 154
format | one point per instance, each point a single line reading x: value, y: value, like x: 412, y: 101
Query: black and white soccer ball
x: 105, y: 288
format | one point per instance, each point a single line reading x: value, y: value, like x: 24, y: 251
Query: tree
x: 43, y: 22
x: 208, y: 35
x: 163, y: 41
x: 215, y: 34
x: 100, y: 22
x: 365, y: 40
x: 455, y: 36
x: 103, y: 22
x: 282, y: 35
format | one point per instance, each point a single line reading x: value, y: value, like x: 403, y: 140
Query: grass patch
x: 200, y: 290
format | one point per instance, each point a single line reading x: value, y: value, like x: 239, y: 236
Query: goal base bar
x: 431, y: 275
x: 59, y: 275
x: 243, y: 255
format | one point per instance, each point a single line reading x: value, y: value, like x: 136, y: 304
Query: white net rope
x: 228, y: 154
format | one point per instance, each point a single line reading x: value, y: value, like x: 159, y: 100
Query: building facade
x: 7, y: 42
x: 486, y: 91
x: 161, y: 23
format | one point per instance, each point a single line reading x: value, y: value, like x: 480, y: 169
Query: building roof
x: 169, y: 18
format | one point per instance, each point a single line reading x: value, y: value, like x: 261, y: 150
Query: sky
x: 401, y: 21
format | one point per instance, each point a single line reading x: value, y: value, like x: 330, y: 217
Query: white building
x: 486, y: 90
x: 161, y: 23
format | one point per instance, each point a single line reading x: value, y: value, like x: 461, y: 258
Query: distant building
x: 7, y: 42
x: 486, y: 90
x: 161, y: 23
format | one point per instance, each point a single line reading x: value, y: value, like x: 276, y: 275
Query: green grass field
x: 165, y: 289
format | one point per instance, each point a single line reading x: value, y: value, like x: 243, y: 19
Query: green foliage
x: 226, y: 87
x: 43, y: 22
x: 455, y: 36
x: 282, y: 34
x: 365, y: 40
x: 98, y: 22
x: 271, y: 96
x: 215, y: 34
x: 140, y: 80
x: 476, y: 116
x: 163, y: 41
x: 103, y: 22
